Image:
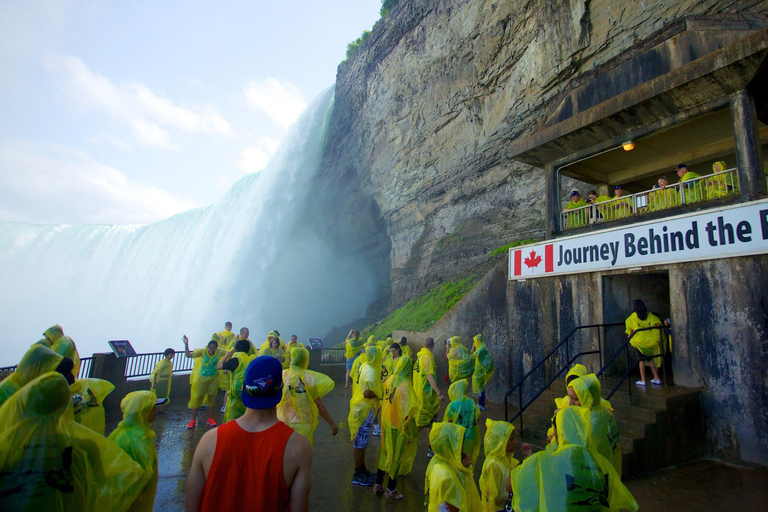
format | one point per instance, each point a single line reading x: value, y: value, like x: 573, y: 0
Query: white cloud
x: 101, y: 138
x: 281, y: 101
x: 54, y: 184
x: 149, y: 116
x: 255, y: 158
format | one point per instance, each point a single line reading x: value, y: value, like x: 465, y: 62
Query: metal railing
x: 333, y: 356
x: 625, y: 349
x: 695, y: 190
x: 569, y: 360
x: 86, y: 365
x: 142, y: 365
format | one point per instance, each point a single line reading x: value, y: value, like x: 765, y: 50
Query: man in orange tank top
x: 276, y: 459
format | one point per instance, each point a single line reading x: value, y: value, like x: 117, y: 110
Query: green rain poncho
x: 369, y: 379
x: 497, y: 466
x: 88, y: 402
x: 51, y: 464
x: 647, y: 342
x: 605, y: 431
x: 429, y: 403
x: 460, y: 364
x: 135, y: 436
x: 164, y: 373
x: 399, y: 432
x: 301, y: 387
x: 447, y: 480
x: 66, y: 347
x: 572, y: 478
x: 51, y: 335
x: 204, y: 380
x: 463, y: 411
x: 484, y: 367
x: 37, y: 361
x: 234, y: 406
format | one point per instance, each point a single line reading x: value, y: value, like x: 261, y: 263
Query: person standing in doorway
x: 647, y: 342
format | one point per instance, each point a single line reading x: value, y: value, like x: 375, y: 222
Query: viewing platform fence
x: 705, y: 188
x: 86, y: 365
x: 333, y: 356
x: 141, y: 365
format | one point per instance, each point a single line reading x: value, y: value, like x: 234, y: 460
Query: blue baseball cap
x: 263, y: 384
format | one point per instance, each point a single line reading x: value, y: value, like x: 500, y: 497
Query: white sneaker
x: 223, y: 409
x: 655, y: 381
x: 641, y: 383
x: 481, y: 407
x: 377, y: 430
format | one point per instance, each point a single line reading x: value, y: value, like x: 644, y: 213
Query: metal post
x: 629, y: 380
x: 520, y: 393
x: 600, y: 347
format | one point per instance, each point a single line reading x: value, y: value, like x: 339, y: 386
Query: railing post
x: 629, y: 380
x: 520, y: 394
x: 600, y: 347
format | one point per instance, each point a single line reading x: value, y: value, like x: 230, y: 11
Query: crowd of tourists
x: 54, y: 454
x: 692, y: 189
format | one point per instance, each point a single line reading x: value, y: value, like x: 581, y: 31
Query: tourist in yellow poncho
x: 274, y: 350
x: 621, y: 206
x: 460, y: 363
x: 647, y: 342
x: 136, y: 437
x: 292, y: 343
x: 303, y: 392
x: 663, y: 196
x: 161, y: 377
x: 268, y: 342
x: 500, y: 443
x: 723, y: 183
x: 692, y: 192
x: 605, y: 431
x: 394, y: 352
x: 50, y: 336
x: 88, y: 402
x: 352, y: 349
x: 363, y: 406
x: 463, y: 411
x: 595, y: 199
x: 204, y: 379
x: 578, y: 218
x: 399, y: 433
x: 358, y: 363
x: 66, y: 347
x: 36, y: 361
x: 235, y: 362
x: 484, y: 368
x: 572, y: 478
x: 449, y: 478
x: 51, y: 464
x: 425, y: 385
x: 226, y: 339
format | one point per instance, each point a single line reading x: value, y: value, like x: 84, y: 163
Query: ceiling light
x: 628, y: 146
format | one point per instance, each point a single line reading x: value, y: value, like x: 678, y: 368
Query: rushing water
x: 247, y: 259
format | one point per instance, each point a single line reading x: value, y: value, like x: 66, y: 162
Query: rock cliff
x: 415, y: 175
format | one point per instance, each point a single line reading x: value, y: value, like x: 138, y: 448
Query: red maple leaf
x: 532, y: 260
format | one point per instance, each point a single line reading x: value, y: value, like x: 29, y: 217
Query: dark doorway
x: 619, y: 292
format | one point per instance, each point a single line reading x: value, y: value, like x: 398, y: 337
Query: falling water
x: 247, y: 259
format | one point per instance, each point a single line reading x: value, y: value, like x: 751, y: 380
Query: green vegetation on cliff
x: 505, y: 248
x: 386, y: 6
x: 420, y: 313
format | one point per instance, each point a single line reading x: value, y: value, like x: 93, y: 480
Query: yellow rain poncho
x: 447, y: 480
x: 693, y: 192
x: 647, y: 342
x: 460, y: 364
x: 463, y: 411
x: 36, y: 361
x: 66, y: 347
x: 484, y: 366
x: 205, y: 377
x: 234, y: 406
x: 88, y: 402
x: 497, y: 466
x: 301, y: 387
x: 353, y: 347
x: 662, y: 198
x: 368, y: 380
x: 354, y: 372
x: 290, y: 346
x: 51, y: 464
x: 605, y: 431
x: 272, y: 334
x: 53, y: 334
x: 571, y: 478
x: 135, y: 436
x: 399, y: 432
x: 429, y: 403
x: 579, y: 218
x: 277, y: 353
x: 164, y: 373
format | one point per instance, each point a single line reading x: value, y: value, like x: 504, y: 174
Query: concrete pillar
x: 552, y: 202
x: 108, y: 367
x: 749, y: 158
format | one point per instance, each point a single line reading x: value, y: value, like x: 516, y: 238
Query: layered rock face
x: 416, y: 177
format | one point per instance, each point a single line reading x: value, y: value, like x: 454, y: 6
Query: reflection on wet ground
x: 701, y: 485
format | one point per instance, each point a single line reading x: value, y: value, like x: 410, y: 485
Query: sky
x: 130, y: 112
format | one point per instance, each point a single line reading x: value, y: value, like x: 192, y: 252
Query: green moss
x: 421, y: 313
x: 504, y: 249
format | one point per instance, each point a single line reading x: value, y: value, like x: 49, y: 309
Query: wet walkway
x: 701, y: 485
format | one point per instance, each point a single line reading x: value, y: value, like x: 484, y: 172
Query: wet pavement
x: 701, y: 485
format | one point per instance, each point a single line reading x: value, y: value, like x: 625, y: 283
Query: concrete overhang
x: 684, y: 70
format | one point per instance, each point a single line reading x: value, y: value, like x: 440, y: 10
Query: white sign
x: 738, y: 230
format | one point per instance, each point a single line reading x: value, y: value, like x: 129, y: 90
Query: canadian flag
x: 531, y: 257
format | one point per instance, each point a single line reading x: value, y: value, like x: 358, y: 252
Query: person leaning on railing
x: 663, y: 196
x: 722, y: 183
x: 578, y: 218
x: 595, y: 199
x: 691, y: 191
x: 621, y: 207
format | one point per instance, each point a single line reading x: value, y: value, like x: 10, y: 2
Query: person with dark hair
x: 255, y: 462
x: 162, y: 377
x: 405, y: 349
x: 692, y: 192
x: 579, y: 218
x: 647, y: 342
x: 204, y: 384
x: 425, y: 386
x: 235, y: 362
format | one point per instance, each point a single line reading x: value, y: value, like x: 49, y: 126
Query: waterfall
x: 247, y: 258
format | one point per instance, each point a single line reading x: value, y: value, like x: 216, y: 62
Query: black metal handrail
x: 86, y: 363
x: 142, y: 365
x: 625, y: 349
x: 333, y: 356
x: 564, y: 341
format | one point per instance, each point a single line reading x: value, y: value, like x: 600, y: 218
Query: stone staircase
x: 659, y: 426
